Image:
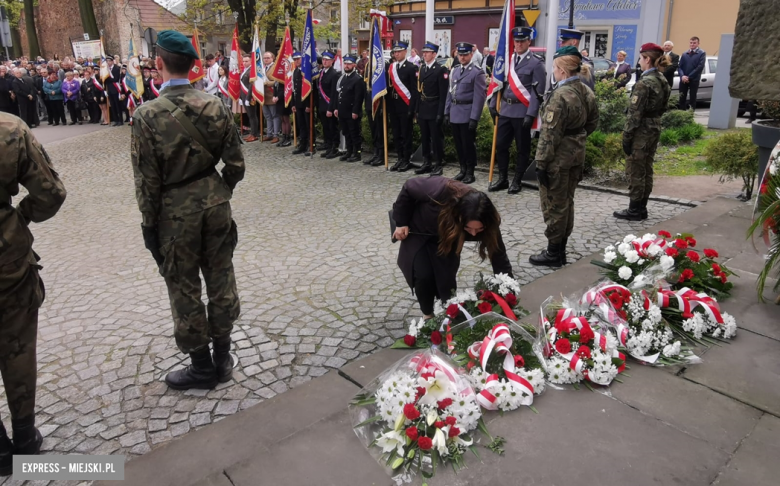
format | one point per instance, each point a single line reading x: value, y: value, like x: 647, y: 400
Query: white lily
x: 437, y: 387
x: 391, y: 440
x: 440, y: 441
x: 432, y: 417
x: 399, y: 422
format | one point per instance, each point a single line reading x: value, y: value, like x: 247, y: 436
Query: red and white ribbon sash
x: 687, y: 300
x: 429, y: 364
x: 517, y: 87
x: 641, y: 249
x: 398, y: 85
x: 97, y: 84
x: 222, y: 88
x: 322, y: 92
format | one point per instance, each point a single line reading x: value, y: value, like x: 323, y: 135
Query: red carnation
x: 454, y: 432
x: 425, y: 443
x: 764, y: 188
x: 665, y: 234
x: 563, y: 346
x: 442, y: 404
x: 412, y: 433
x: 452, y: 311
x: 623, y: 314
x: 450, y: 420
x: 470, y: 365
x: 583, y: 352
x: 616, y: 299
x: 511, y: 299
x: 716, y: 269
x: 723, y: 278
x: 693, y: 256
x: 691, y: 241
x: 439, y: 424
x: 680, y: 243
x: 411, y: 412
x: 484, y: 307
x: 710, y: 253
x: 420, y: 392
x: 409, y: 340
x: 586, y: 335
x: 687, y: 274
x: 519, y: 361
x: 436, y: 337
x: 671, y: 252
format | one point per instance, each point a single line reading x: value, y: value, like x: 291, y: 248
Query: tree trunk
x: 32, y: 35
x: 88, y: 22
x: 270, y: 38
x: 16, y: 37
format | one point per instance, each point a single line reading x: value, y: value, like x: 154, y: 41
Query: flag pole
x: 495, y: 135
x: 311, y: 95
x: 384, y: 125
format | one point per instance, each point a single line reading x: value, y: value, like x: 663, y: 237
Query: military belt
x: 510, y: 101
x: 456, y: 102
x: 200, y: 175
x: 428, y: 98
x: 572, y: 132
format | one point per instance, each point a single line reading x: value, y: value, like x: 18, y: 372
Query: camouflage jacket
x: 569, y: 115
x: 648, y: 102
x: 165, y: 157
x: 23, y: 161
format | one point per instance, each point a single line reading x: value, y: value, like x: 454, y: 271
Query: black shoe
x: 551, y: 257
x: 517, y: 184
x: 56, y: 124
x: 461, y: 174
x: 425, y: 168
x: 325, y: 151
x: 71, y: 123
x: 333, y: 154
x: 201, y: 373
x: 378, y: 161
x: 346, y: 155
x: 50, y: 123
x: 469, y: 179
x: 643, y: 209
x: 27, y: 439
x: 299, y: 150
x: 633, y: 213
x: 223, y: 361
x: 501, y: 184
x: 405, y: 165
x: 437, y: 169
x: 563, y: 251
x: 397, y: 164
x: 356, y: 157
x: 286, y: 142
x: 6, y: 453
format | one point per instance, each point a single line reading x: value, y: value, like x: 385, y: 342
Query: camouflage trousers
x: 195, y: 243
x: 558, y: 202
x: 21, y: 294
x: 639, y: 165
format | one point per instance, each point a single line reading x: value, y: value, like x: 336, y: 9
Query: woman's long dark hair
x: 467, y: 204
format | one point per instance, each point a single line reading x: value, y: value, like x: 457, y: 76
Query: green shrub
x: 690, y: 132
x: 610, y: 157
x: 770, y: 109
x: 612, y: 106
x: 673, y: 103
x: 676, y: 119
x: 669, y: 137
x: 592, y: 157
x: 733, y: 155
x: 597, y: 138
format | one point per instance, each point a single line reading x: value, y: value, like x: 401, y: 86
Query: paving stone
x: 198, y: 419
x: 132, y: 438
x: 158, y: 425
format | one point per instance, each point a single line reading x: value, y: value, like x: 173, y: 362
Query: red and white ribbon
x: 398, y: 85
x: 517, y: 87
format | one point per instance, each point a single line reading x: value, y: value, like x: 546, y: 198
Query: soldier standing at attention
x: 402, y: 102
x: 569, y: 115
x: 465, y: 100
x: 643, y: 129
x: 347, y: 107
x: 326, y: 85
x: 22, y: 161
x: 176, y: 143
x: 572, y: 37
x: 519, y: 107
x: 432, y: 85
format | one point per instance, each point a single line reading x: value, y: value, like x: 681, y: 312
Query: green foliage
x: 609, y: 158
x: 592, y: 157
x: 14, y: 10
x: 766, y: 223
x: 613, y: 103
x: 676, y: 118
x: 669, y: 137
x: 770, y: 109
x: 733, y: 155
x: 597, y: 138
x: 690, y: 132
x: 673, y: 103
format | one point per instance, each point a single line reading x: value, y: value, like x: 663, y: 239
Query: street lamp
x: 571, y: 14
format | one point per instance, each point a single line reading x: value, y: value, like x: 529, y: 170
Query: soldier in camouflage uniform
x: 177, y: 141
x: 569, y: 115
x: 22, y: 161
x: 643, y: 129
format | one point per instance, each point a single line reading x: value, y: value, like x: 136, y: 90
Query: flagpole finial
x: 235, y: 16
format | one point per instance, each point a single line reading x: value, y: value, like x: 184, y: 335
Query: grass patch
x: 685, y: 159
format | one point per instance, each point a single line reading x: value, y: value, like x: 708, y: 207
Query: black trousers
x: 28, y: 110
x: 402, y: 133
x: 670, y: 79
x: 94, y: 111
x: 330, y: 130
x: 115, y: 107
x: 75, y: 113
x: 352, y: 132
x: 302, y: 125
x: 57, y: 111
x: 511, y: 129
x: 465, y: 144
x: 424, y: 281
x: 692, y: 87
x: 432, y: 139
x: 376, y: 123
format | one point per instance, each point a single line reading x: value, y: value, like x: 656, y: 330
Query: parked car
x: 602, y: 66
x: 705, y: 85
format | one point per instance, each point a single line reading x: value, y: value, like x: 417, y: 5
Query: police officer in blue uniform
x: 326, y: 88
x: 465, y: 100
x: 347, y: 105
x: 518, y: 110
x: 401, y: 104
x: 432, y: 84
x: 572, y: 37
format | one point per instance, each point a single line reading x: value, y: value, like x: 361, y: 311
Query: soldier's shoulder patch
x: 549, y: 116
x: 634, y: 99
x: 538, y: 57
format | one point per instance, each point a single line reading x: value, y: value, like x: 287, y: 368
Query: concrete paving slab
x: 747, y: 370
x: 709, y: 212
x: 761, y: 318
x: 751, y: 464
x: 687, y: 406
x: 587, y: 438
x: 333, y: 456
x: 216, y: 479
x: 366, y: 369
x: 749, y: 260
x: 720, y: 235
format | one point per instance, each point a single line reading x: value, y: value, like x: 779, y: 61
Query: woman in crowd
x: 569, y: 115
x: 92, y: 95
x: 222, y: 84
x: 434, y: 217
x: 643, y: 129
x: 415, y: 58
x: 52, y: 86
x: 71, y: 89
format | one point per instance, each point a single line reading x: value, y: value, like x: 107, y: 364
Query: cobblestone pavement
x: 316, y: 273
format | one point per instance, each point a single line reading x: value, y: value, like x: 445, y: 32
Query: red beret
x: 651, y: 47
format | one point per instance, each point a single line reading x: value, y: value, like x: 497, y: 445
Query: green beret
x: 177, y: 43
x: 567, y: 51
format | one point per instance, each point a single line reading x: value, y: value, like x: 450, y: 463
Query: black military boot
x: 325, y: 151
x: 6, y: 453
x: 424, y: 168
x: 201, y: 373
x: 379, y: 160
x: 287, y: 141
x: 563, y: 251
x: 469, y: 179
x: 301, y: 148
x: 437, y: 169
x: 517, y: 184
x: 462, y: 172
x: 223, y: 361
x: 372, y: 159
x: 633, y: 213
x: 333, y: 154
x: 346, y: 155
x: 501, y: 184
x: 643, y: 209
x: 551, y: 257
x: 27, y: 439
x: 406, y: 164
x: 356, y: 156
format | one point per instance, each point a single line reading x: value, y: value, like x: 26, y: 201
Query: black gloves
x: 528, y: 121
x: 473, y: 125
x: 439, y: 119
x: 543, y: 178
x: 493, y: 112
x: 152, y: 243
x: 627, y: 147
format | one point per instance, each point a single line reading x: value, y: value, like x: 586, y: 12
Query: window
x: 220, y: 18
x: 203, y: 49
x: 334, y: 14
x: 713, y: 65
x: 221, y: 47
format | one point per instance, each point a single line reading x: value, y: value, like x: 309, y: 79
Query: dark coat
x: 115, y: 77
x: 624, y: 69
x: 432, y: 85
x: 6, y: 86
x: 348, y: 95
x: 416, y: 207
x: 24, y: 86
x: 326, y: 83
x: 671, y: 70
x: 692, y: 65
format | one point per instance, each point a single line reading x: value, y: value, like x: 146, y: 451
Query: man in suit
x: 7, y: 98
x: 248, y: 102
x: 402, y: 103
x: 326, y: 87
x: 114, y: 91
x: 465, y: 100
x: 346, y: 105
x: 674, y: 60
x: 432, y: 85
x: 26, y: 96
x: 518, y: 110
x: 690, y: 69
x: 622, y: 70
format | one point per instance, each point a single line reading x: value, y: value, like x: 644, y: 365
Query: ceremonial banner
x: 503, y: 50
x: 134, y: 80
x: 377, y: 64
x: 104, y: 71
x: 234, y: 77
x: 281, y: 66
x: 256, y: 71
x: 309, y: 57
x: 196, y: 72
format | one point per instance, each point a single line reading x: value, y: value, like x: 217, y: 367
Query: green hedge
x: 734, y: 155
x: 676, y: 119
